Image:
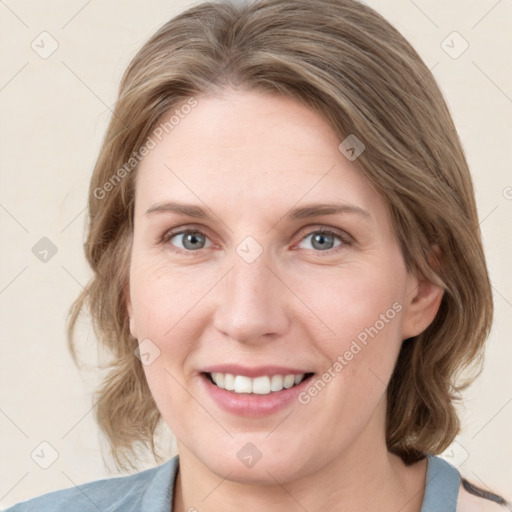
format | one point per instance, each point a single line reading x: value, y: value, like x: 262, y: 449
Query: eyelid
x: 320, y: 228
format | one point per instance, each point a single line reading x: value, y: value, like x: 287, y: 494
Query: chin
x: 243, y: 463
x: 262, y: 473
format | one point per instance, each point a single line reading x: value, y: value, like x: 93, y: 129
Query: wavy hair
x: 347, y: 63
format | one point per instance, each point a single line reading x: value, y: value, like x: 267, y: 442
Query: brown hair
x: 346, y: 62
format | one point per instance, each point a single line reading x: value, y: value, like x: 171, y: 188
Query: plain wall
x: 54, y: 113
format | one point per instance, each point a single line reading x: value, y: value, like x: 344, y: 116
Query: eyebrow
x: 303, y: 212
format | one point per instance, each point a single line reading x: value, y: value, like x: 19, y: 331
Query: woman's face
x: 240, y: 282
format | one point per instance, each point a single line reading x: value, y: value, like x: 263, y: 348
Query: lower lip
x: 252, y: 404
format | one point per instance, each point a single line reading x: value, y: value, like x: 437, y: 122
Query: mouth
x: 254, y: 391
x: 261, y: 385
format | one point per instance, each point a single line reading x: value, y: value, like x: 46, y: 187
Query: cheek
x: 161, y: 313
x: 354, y: 303
x: 163, y: 296
x: 359, y: 358
x: 168, y: 313
x: 167, y: 388
x: 362, y: 313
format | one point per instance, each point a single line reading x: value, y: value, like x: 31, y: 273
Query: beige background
x: 54, y: 114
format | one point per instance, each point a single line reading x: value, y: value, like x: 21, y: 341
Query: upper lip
x: 253, y: 371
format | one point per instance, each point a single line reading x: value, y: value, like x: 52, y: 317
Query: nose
x: 251, y: 302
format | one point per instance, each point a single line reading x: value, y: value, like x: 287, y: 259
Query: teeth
x: 229, y: 381
x: 259, y: 385
x: 289, y: 381
x: 243, y: 384
x: 277, y: 383
x: 221, y: 380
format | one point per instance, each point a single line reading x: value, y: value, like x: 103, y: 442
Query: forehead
x: 250, y: 151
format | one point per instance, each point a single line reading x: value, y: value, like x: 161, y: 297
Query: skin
x: 248, y: 158
x: 469, y: 503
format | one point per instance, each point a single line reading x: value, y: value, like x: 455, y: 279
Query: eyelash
x: 341, y: 235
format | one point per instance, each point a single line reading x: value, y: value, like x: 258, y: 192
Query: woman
x: 288, y: 268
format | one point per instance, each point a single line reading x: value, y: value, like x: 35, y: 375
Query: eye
x: 190, y: 239
x: 324, y: 240
x: 193, y: 240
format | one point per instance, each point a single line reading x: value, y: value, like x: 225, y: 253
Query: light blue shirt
x: 152, y: 491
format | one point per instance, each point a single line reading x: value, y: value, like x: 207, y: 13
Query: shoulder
x: 447, y: 490
x: 473, y: 499
x: 125, y: 493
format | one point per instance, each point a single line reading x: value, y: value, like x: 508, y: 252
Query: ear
x: 422, y: 303
x: 129, y: 308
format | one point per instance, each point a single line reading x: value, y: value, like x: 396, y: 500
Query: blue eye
x: 323, y: 240
x: 192, y: 240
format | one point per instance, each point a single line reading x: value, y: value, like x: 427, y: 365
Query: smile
x: 262, y: 385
